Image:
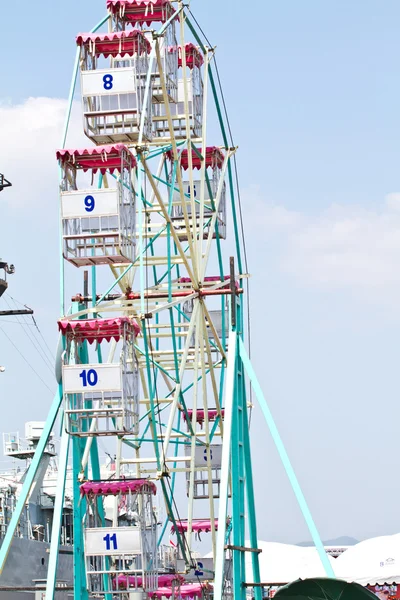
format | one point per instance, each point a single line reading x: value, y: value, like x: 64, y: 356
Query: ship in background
x: 27, y: 563
x: 25, y: 572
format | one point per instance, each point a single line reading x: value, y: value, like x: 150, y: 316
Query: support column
x: 57, y: 514
x: 286, y: 462
x: 30, y: 477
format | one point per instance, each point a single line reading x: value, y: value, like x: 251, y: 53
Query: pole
x: 286, y: 462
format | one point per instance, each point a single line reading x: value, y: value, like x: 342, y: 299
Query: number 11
x: 111, y: 538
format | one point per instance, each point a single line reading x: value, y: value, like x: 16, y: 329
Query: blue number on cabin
x: 198, y: 572
x: 108, y: 82
x: 89, y: 203
x: 89, y: 377
x: 111, y: 538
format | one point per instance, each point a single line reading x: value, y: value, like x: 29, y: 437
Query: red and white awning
x: 214, y: 158
x: 113, y: 488
x: 212, y: 414
x: 198, y: 526
x: 103, y: 158
x: 194, y: 58
x: 119, y: 43
x: 141, y: 11
x: 97, y: 330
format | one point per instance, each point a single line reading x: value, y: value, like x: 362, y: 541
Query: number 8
x: 107, y: 81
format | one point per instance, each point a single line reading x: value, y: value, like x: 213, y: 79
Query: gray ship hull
x: 27, y: 563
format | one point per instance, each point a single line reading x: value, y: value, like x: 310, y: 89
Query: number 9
x: 89, y: 203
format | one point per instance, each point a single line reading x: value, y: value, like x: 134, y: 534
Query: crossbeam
x: 243, y: 548
x: 11, y: 313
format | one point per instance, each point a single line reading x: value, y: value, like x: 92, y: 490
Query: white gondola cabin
x: 194, y: 61
x: 100, y: 399
x: 98, y: 224
x: 201, y: 488
x: 113, y: 94
x: 213, y: 203
x: 121, y: 559
x: 201, y: 483
x: 144, y: 13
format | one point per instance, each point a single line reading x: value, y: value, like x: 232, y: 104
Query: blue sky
x: 312, y: 90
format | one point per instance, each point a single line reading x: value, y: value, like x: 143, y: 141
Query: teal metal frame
x: 236, y: 466
x: 286, y: 462
x: 58, y: 510
x: 236, y: 462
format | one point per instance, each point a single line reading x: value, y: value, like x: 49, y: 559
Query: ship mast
x: 6, y: 269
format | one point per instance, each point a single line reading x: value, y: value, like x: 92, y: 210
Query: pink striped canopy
x: 189, y: 590
x: 214, y: 158
x: 98, y: 329
x: 127, y: 581
x: 113, y: 488
x: 198, y: 525
x: 105, y: 158
x: 115, y: 44
x: 200, y: 414
x: 141, y: 11
x: 194, y: 58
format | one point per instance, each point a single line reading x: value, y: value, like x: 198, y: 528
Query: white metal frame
x: 105, y: 235
x: 137, y: 562
x: 115, y: 114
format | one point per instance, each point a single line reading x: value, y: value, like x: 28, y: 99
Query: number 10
x: 89, y: 377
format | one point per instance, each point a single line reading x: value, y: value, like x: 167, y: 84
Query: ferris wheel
x: 156, y: 214
x: 152, y: 354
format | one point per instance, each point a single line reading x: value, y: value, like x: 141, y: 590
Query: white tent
x: 282, y: 563
x: 374, y: 561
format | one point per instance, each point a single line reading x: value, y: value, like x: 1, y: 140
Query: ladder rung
x: 242, y: 548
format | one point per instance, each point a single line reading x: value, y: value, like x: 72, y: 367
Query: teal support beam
x: 236, y: 462
x: 225, y: 467
x: 57, y: 514
x: 286, y: 462
x: 173, y: 478
x: 169, y: 21
x: 238, y: 486
x: 154, y: 362
x: 251, y: 510
x: 78, y: 503
x: 150, y: 243
x: 79, y: 508
x: 163, y: 150
x: 29, y: 480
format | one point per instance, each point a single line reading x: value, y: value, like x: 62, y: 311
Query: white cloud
x: 30, y: 133
x: 264, y: 217
x: 343, y: 246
